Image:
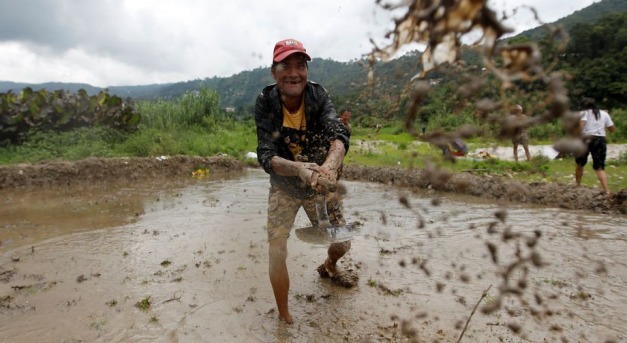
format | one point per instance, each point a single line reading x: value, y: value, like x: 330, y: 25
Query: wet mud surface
x: 181, y: 259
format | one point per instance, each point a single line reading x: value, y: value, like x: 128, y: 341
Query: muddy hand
x: 308, y: 172
x: 324, y: 185
x: 328, y: 172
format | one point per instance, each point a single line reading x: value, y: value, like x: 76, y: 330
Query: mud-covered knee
x: 277, y: 249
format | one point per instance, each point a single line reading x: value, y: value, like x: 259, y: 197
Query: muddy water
x: 74, y: 263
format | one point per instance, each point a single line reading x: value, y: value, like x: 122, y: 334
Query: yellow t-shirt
x: 295, y: 126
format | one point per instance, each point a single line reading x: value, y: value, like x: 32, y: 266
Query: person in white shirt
x: 593, y: 124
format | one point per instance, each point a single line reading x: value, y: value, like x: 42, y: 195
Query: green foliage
x: 233, y: 138
x: 619, y: 117
x: 393, y: 132
x: 622, y: 159
x: 144, y: 304
x: 494, y: 166
x: 597, y: 58
x: 450, y: 121
x: 230, y: 136
x: 31, y: 111
x: 71, y: 145
x: 538, y: 166
x: 190, y: 125
x: 546, y: 132
x: 152, y: 142
x: 198, y: 108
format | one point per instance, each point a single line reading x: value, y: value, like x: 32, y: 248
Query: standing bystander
x: 593, y: 123
x: 521, y: 137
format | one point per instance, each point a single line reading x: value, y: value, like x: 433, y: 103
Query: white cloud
x: 128, y: 42
x: 521, y: 16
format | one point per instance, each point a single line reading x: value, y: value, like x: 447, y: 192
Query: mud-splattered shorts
x: 521, y: 139
x: 283, y: 208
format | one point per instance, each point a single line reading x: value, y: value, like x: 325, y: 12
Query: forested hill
x: 588, y: 15
x: 342, y: 79
x: 6, y: 86
x: 240, y: 90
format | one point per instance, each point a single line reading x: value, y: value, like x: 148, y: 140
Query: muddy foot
x: 322, y: 270
x: 346, y: 279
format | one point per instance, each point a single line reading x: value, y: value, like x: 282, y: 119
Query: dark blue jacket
x: 323, y: 127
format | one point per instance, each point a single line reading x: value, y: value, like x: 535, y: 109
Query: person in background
x: 299, y: 139
x: 455, y: 147
x: 521, y: 137
x: 345, y: 117
x: 592, y: 124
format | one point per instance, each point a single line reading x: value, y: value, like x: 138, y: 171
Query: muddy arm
x: 334, y: 158
x: 327, y: 181
x: 304, y: 170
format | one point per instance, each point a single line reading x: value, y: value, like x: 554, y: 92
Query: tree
x: 596, y: 56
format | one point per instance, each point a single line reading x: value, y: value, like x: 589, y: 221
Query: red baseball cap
x: 287, y: 47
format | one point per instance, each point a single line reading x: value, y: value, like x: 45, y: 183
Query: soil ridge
x: 55, y: 173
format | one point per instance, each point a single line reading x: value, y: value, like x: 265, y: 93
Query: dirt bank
x: 488, y: 187
x: 107, y: 169
x: 497, y: 188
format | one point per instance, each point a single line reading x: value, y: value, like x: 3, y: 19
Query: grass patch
x: 144, y: 304
x: 391, y: 154
x: 555, y: 282
x: 72, y: 145
x: 539, y: 169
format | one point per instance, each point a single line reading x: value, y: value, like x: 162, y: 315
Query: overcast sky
x: 139, y: 42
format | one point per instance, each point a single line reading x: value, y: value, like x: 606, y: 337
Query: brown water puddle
x: 75, y: 262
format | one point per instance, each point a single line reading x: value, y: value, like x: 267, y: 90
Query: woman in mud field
x: 593, y: 123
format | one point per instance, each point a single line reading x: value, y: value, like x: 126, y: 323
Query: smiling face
x: 291, y: 75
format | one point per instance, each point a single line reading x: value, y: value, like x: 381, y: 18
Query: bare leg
x: 335, y: 252
x: 578, y: 175
x: 516, y: 152
x: 527, y: 154
x: 279, y: 277
x: 603, y: 179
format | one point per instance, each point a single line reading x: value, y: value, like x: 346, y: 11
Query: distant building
x: 230, y: 109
